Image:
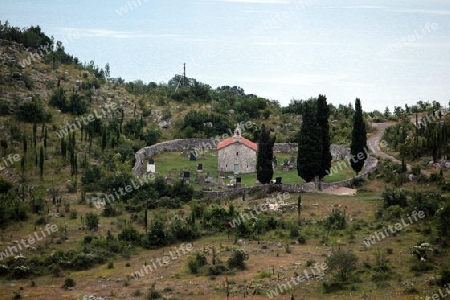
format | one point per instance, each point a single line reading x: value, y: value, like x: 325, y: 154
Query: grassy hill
x: 241, y: 248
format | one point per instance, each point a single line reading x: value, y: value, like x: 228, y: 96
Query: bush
x: 73, y: 214
x: 153, y: 293
x: 69, y: 282
x: 342, y: 264
x: 336, y: 220
x: 301, y: 240
x: 394, y: 211
x: 216, y: 270
x: 416, y: 170
x: 394, y: 197
x: 427, y: 202
x: 237, y: 259
x: 333, y: 287
x: 197, y: 261
x: 193, y: 266
x: 445, y: 277
x: 33, y: 111
x: 422, y: 266
x: 92, y: 221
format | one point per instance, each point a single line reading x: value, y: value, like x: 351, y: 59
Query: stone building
x: 237, y: 154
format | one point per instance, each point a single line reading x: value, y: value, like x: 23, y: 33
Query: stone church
x: 237, y: 154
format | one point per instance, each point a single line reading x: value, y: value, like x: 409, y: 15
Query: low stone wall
x: 289, y: 188
x: 337, y: 151
x: 169, y: 146
x: 285, y: 147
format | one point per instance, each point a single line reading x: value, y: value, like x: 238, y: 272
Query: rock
x: 164, y: 124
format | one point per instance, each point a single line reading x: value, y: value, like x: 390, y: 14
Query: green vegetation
x: 358, y: 148
x: 310, y: 147
x: 62, y: 148
x: 264, y: 167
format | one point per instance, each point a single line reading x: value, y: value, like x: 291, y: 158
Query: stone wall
x: 337, y: 151
x: 169, y: 146
x: 200, y: 145
x: 289, y: 188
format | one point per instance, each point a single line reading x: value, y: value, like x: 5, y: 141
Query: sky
x: 385, y: 52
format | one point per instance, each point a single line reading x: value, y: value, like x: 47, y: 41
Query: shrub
x: 73, y: 214
x: 394, y: 197
x: 216, y: 270
x: 416, y: 170
x: 153, y: 293
x: 196, y: 261
x: 342, y: 264
x: 92, y: 221
x: 445, y: 277
x: 69, y: 282
x: 301, y: 240
x: 237, y: 259
x: 394, y: 211
x: 336, y: 220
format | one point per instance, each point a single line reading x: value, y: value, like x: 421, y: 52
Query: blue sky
x: 385, y: 52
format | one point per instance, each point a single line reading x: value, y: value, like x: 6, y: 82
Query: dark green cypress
x: 358, y: 146
x: 322, y: 118
x: 41, y: 161
x: 264, y: 169
x: 104, y: 139
x: 310, y: 151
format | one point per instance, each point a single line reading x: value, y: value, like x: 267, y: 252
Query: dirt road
x: 374, y: 145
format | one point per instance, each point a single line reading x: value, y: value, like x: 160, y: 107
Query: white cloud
x: 107, y: 33
x: 426, y: 11
x: 367, y: 7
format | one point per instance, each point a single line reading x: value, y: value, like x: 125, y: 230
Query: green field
x: 172, y: 163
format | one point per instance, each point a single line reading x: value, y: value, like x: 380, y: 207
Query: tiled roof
x: 242, y: 140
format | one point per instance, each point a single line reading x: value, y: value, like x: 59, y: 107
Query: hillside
x: 70, y: 134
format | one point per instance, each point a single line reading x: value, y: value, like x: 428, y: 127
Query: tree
x: 358, y: 146
x: 387, y: 112
x: 41, y: 161
x: 309, y: 159
x: 107, y: 71
x: 237, y: 259
x: 299, y: 208
x: 264, y: 168
x: 92, y: 221
x: 343, y: 264
x: 322, y: 118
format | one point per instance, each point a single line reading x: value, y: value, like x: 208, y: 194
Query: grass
x: 172, y: 163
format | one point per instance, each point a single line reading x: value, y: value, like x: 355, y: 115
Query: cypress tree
x: 104, y: 139
x: 264, y: 168
x: 34, y: 135
x: 323, y: 113
x: 25, y: 144
x: 41, y: 161
x: 358, y: 146
x: 63, y: 147
x: 45, y: 137
x: 309, y: 159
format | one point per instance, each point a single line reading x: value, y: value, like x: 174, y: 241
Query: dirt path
x: 374, y: 145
